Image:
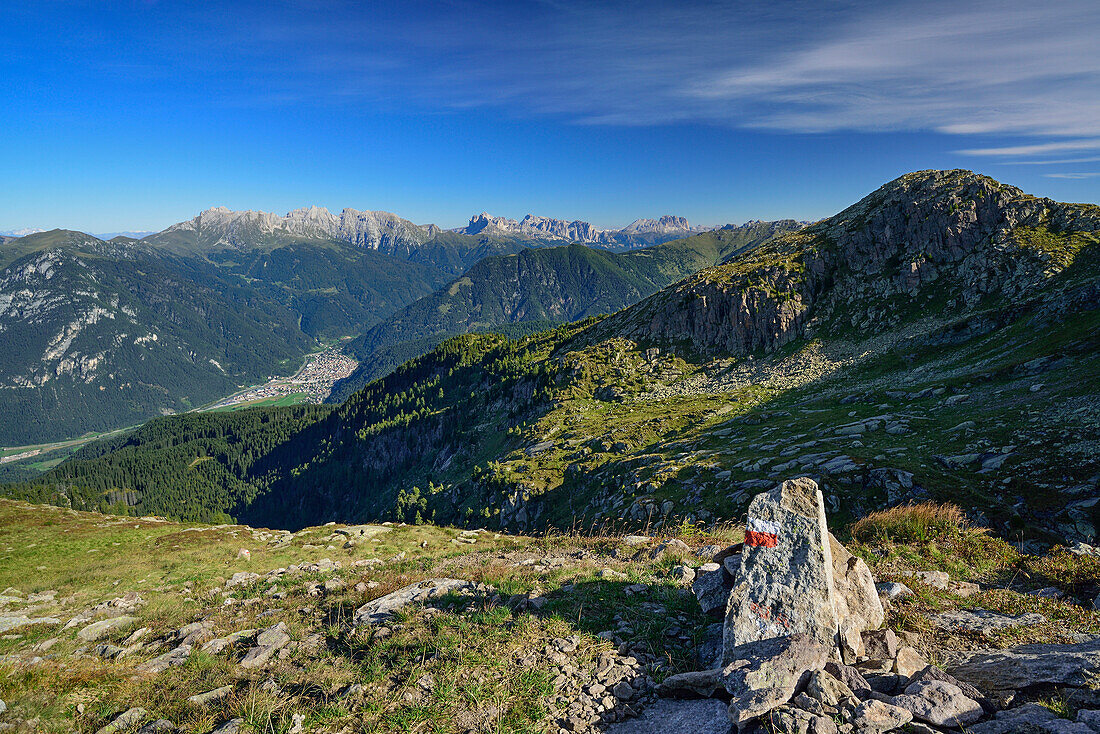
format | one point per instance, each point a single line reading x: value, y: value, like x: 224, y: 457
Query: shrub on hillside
x: 911, y: 523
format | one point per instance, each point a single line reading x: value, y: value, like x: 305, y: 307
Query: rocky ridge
x: 949, y: 239
x: 647, y: 231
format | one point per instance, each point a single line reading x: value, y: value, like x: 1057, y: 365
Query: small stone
x: 126, y: 720
x: 894, y: 591
x: 909, y: 662
x: 205, y: 699
x: 827, y: 689
x: 880, y: 644
x: 230, y: 727
x: 683, y: 574
x: 712, y: 587
x: 873, y: 717
x: 850, y: 677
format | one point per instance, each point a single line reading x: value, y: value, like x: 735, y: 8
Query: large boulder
x: 994, y: 672
x: 766, y: 673
x: 785, y: 585
x: 939, y: 704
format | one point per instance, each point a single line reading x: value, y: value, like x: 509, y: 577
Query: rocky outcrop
x: 998, y: 671
x: 383, y: 608
x: 955, y: 229
x: 220, y: 227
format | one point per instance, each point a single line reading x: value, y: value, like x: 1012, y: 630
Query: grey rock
x: 696, y: 683
x: 857, y: 600
x: 908, y: 662
x: 894, y: 591
x: 1027, y: 718
x: 205, y: 699
x: 785, y: 585
x: 230, y: 727
x: 219, y: 644
x: 1089, y: 718
x: 793, y: 720
x: 880, y: 644
x: 828, y: 690
x: 712, y: 586
x: 939, y: 704
x: 3, y: 706
x: 931, y: 672
x: 683, y: 574
x: 765, y: 673
x: 935, y: 579
x: 1028, y: 665
x: 705, y: 716
x: 383, y: 608
x: 984, y: 621
x: 126, y: 720
x: 850, y: 676
x: 106, y: 627
x: 10, y: 622
x: 171, y: 659
x: 160, y: 726
x: 874, y: 717
x: 268, y: 642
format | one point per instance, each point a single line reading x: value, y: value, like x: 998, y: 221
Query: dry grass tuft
x: 911, y: 523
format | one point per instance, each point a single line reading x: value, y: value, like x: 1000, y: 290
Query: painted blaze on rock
x: 785, y: 586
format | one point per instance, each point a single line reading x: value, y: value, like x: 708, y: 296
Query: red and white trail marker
x: 762, y: 533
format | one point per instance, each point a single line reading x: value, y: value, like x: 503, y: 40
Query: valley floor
x: 208, y: 626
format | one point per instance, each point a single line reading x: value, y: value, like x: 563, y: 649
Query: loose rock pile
x: 803, y: 649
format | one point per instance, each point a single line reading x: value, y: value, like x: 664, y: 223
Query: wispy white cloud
x: 989, y: 67
x: 1055, y: 161
x: 1061, y: 146
x: 1072, y: 176
x: 1000, y: 68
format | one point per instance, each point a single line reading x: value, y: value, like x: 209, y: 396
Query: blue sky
x: 135, y: 115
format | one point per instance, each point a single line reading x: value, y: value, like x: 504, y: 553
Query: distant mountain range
x: 640, y: 232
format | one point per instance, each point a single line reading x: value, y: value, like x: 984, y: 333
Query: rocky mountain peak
x: 667, y: 223
x: 872, y: 266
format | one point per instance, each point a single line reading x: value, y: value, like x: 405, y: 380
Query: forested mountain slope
x: 98, y: 335
x: 542, y: 286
